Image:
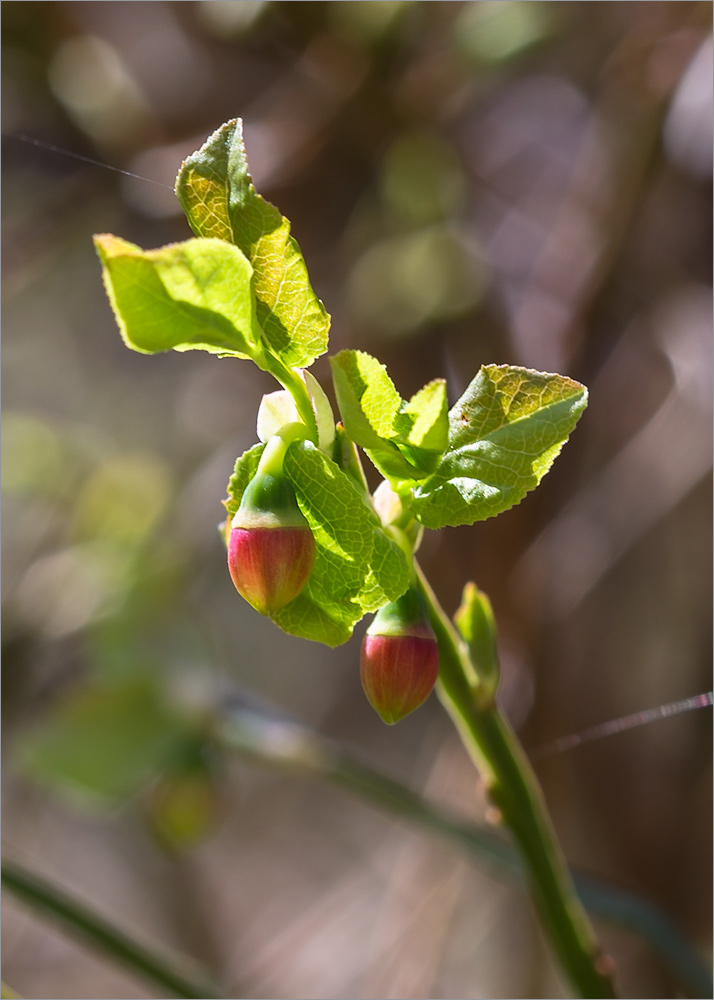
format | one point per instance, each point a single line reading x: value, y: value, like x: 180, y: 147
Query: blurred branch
x: 47, y: 899
x: 7, y: 994
x: 292, y: 747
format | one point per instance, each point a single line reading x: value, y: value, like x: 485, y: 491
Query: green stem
x: 295, y: 748
x: 271, y: 461
x: 514, y: 791
x: 48, y: 899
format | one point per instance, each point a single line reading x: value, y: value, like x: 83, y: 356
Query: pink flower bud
x: 271, y: 549
x: 400, y: 658
x: 270, y: 566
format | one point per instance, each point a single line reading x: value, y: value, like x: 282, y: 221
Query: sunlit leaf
x: 504, y: 434
x: 185, y: 296
x: 216, y: 191
x: 245, y: 468
x: 404, y: 440
x: 424, y: 421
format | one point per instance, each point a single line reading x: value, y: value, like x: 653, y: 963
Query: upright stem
x: 296, y: 749
x: 514, y: 791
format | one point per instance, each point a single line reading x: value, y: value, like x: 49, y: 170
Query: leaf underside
x: 185, y: 296
x: 216, y: 192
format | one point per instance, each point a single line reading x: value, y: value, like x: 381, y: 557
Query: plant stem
x: 44, y: 897
x: 271, y: 461
x: 513, y: 789
x: 294, y: 748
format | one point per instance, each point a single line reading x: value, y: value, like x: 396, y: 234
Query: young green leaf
x: 388, y: 573
x: 368, y: 401
x: 245, y: 468
x: 187, y: 296
x: 357, y: 567
x: 356, y: 563
x: 404, y: 440
x: 423, y: 426
x: 217, y: 194
x: 423, y: 422
x: 311, y: 616
x: 346, y: 455
x: 504, y: 434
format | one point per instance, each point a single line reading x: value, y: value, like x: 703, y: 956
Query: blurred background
x: 485, y: 182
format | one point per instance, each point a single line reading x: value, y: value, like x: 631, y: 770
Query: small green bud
x: 477, y: 626
x: 277, y: 409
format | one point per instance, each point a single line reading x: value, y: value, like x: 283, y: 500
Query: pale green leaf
x: 216, y: 191
x: 338, y: 517
x: 106, y: 741
x: 424, y: 421
x: 389, y: 574
x: 245, y: 468
x: 342, y: 526
x: 391, y: 461
x: 358, y: 568
x: 477, y: 626
x: 309, y: 616
x: 185, y: 296
x: 504, y: 434
x: 368, y: 401
x: 402, y: 439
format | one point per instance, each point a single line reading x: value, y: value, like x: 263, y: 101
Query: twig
x: 47, y: 899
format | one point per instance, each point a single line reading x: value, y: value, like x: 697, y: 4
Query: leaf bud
x: 278, y: 409
x: 400, y: 658
x: 271, y: 549
x: 477, y: 626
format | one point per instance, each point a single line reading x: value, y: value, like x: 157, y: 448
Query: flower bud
x: 400, y: 658
x: 183, y: 808
x: 271, y: 550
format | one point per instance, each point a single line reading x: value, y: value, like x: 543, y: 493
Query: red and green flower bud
x: 271, y: 549
x: 400, y: 658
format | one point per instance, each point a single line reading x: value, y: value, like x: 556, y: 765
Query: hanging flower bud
x: 271, y: 550
x: 400, y: 659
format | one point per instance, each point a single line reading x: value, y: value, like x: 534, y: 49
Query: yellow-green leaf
x: 216, y: 191
x: 185, y: 296
x: 504, y: 434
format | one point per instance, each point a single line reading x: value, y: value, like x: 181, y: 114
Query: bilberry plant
x: 307, y: 543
